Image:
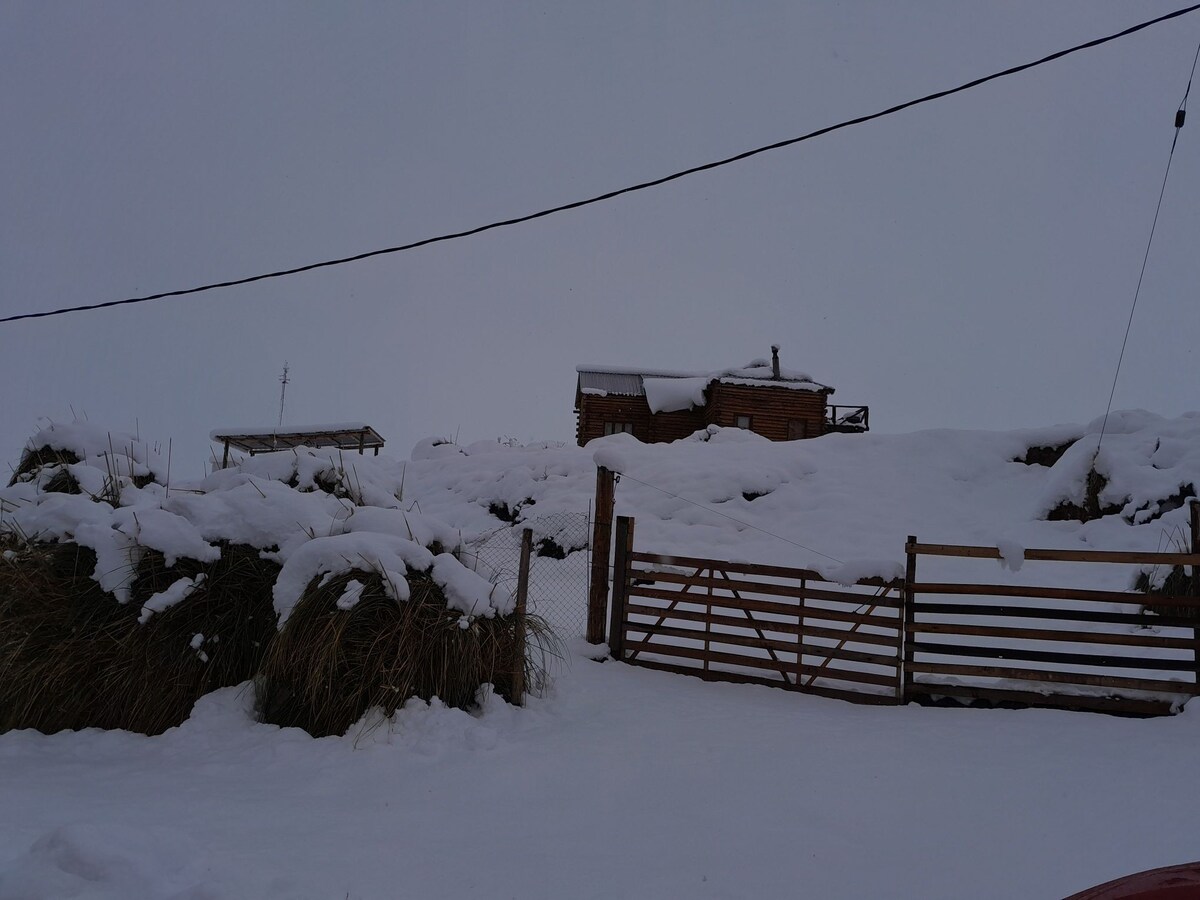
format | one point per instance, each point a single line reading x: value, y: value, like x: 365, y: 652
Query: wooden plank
x: 893, y: 623
x: 785, y: 610
x: 717, y: 637
x: 733, y: 585
x: 716, y: 656
x: 688, y: 615
x: 856, y: 599
x: 698, y: 562
x: 1104, y: 661
x: 1078, y: 702
x: 1105, y: 556
x: 1107, y: 681
x: 717, y: 583
x: 1123, y: 639
x: 844, y: 655
x: 963, y: 610
x: 1051, y: 593
x: 856, y: 637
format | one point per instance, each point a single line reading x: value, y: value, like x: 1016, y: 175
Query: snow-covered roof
x: 623, y: 382
x: 342, y: 435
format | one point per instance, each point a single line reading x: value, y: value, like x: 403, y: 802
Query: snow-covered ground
x: 621, y: 782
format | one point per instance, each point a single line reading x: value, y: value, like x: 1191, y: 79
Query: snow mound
x: 317, y: 513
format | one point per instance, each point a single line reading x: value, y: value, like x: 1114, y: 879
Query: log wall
x: 595, y: 410
x: 771, y: 411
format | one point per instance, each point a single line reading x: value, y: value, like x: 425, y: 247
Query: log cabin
x: 655, y: 405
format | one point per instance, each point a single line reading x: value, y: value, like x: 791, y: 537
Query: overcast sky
x: 969, y: 263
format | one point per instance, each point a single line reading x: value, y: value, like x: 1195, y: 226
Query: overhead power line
x: 600, y: 198
x: 1180, y: 116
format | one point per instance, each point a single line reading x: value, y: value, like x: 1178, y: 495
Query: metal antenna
x: 283, y: 381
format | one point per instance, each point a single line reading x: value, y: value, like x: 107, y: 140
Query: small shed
x: 355, y: 436
x: 658, y: 405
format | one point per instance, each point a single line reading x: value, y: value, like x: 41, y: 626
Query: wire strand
x: 731, y: 518
x: 1146, y: 256
x: 600, y: 198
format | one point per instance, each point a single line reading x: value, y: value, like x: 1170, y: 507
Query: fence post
x: 1194, y: 508
x: 518, y: 675
x: 616, y: 625
x: 601, y: 547
x: 800, y: 635
x: 909, y: 614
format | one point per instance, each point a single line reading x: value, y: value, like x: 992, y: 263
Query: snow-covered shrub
x: 350, y: 645
x: 124, y: 599
x: 72, y: 656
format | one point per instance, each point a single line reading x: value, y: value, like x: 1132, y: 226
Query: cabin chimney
x: 775, y: 361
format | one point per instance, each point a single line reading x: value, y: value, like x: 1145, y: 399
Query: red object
x: 1171, y: 883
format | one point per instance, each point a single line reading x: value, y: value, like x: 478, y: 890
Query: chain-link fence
x: 558, y: 567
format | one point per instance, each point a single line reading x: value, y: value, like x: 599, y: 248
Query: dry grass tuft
x: 33, y: 459
x: 72, y: 657
x: 329, y: 666
x: 58, y: 630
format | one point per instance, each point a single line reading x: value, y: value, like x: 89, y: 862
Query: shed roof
x: 342, y: 436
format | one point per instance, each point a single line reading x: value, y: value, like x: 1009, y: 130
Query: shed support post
x: 601, y: 548
x: 225, y: 456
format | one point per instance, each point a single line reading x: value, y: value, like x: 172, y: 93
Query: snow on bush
x: 318, y: 513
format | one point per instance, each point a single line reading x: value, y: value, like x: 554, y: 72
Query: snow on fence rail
x: 887, y: 642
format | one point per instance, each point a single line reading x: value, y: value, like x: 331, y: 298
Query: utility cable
x: 731, y: 518
x: 616, y: 193
x: 1180, y: 116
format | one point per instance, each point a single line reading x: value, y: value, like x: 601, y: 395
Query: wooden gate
x: 1051, y: 646
x: 785, y: 627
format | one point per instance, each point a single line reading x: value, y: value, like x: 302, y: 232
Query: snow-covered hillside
x: 839, y: 499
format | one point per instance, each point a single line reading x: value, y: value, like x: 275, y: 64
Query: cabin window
x: 797, y: 429
x: 618, y: 428
x: 742, y: 422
